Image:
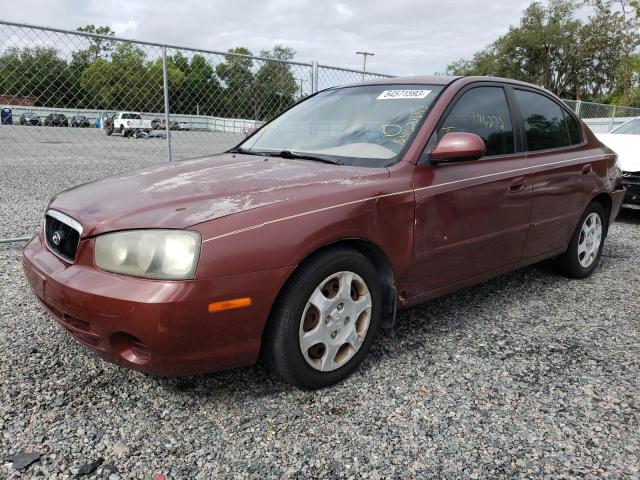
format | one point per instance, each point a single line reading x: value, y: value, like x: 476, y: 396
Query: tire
x: 347, y: 326
x: 585, y: 248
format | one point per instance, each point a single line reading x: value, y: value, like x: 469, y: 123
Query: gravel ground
x: 528, y: 375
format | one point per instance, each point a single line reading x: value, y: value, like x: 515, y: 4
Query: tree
x: 236, y: 73
x: 274, y: 84
x: 36, y: 72
x: 128, y: 81
x: 200, y: 91
x: 624, y: 17
x: 97, y: 46
x: 553, y: 47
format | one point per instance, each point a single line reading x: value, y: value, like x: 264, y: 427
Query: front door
x: 472, y: 217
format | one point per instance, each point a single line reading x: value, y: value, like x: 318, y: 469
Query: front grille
x: 632, y: 178
x: 631, y: 182
x: 62, y: 235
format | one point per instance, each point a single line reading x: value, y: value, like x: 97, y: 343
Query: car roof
x: 440, y: 80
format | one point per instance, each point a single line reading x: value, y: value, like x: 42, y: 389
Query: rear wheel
x: 585, y: 247
x: 325, y: 320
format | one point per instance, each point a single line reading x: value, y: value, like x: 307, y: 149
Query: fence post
x: 165, y: 83
x: 613, y: 116
x: 314, y: 76
x: 578, y: 105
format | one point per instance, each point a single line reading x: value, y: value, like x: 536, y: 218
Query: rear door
x: 562, y: 171
x: 472, y: 217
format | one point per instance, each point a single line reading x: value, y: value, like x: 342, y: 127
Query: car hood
x: 626, y: 146
x: 183, y: 194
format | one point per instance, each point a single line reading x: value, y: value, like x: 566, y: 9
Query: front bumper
x: 157, y: 327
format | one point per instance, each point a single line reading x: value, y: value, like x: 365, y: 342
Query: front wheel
x: 325, y: 319
x: 585, y: 247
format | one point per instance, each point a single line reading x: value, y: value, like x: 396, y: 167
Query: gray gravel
x: 529, y: 375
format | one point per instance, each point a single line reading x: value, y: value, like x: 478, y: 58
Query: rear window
x: 632, y: 127
x: 544, y: 121
x: 131, y: 116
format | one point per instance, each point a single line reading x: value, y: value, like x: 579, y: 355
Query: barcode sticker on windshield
x: 395, y: 94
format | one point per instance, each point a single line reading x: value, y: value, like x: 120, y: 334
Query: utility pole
x: 301, y: 80
x: 364, y: 62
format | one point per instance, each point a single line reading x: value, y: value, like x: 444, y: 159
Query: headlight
x: 162, y: 254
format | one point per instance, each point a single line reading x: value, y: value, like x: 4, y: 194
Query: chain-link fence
x: 77, y: 106
x: 196, y: 101
x: 601, y: 117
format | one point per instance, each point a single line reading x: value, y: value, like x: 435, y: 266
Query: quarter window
x: 485, y: 112
x: 544, y: 121
x: 574, y: 129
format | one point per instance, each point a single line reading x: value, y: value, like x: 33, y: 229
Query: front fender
x: 268, y: 238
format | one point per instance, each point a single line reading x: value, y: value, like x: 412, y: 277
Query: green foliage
x: 112, y: 75
x: 274, y: 84
x: 41, y: 74
x: 236, y: 73
x: 575, y: 57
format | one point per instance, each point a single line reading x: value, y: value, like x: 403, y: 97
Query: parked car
x: 625, y: 141
x: 80, y: 121
x: 184, y: 126
x: 30, y: 118
x: 56, y: 120
x: 300, y: 243
x: 127, y: 123
x: 160, y: 124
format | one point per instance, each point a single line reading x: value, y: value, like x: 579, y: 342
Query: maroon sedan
x: 302, y: 242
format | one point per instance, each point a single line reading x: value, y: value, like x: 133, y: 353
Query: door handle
x: 517, y: 185
x: 587, y: 169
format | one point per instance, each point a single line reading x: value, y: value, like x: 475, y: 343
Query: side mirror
x: 250, y: 131
x: 458, y: 146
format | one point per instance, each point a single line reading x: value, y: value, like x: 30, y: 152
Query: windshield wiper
x: 285, y: 154
x: 244, y: 151
x: 303, y: 156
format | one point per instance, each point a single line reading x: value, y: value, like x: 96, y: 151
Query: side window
x: 485, y: 112
x: 575, y: 135
x: 544, y: 122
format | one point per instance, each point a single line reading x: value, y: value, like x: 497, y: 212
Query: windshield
x: 364, y: 126
x: 632, y: 127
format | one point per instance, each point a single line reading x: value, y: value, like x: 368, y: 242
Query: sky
x: 418, y: 37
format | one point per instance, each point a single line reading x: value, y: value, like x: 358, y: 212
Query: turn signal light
x: 229, y: 304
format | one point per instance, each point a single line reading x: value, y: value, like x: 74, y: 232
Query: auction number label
x: 396, y: 94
